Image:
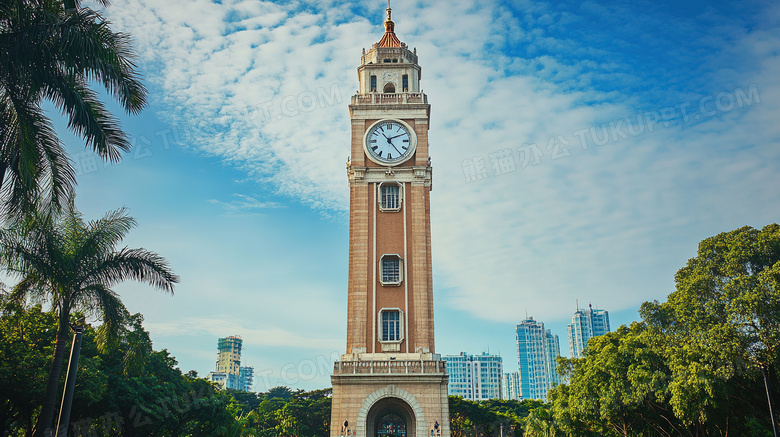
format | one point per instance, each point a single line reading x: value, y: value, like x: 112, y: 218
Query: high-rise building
x: 229, y: 373
x: 553, y: 352
x: 537, y: 350
x: 229, y: 354
x: 390, y: 381
x: 246, y: 377
x: 474, y: 377
x: 510, y: 386
x: 586, y: 324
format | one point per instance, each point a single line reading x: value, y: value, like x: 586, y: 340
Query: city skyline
x: 575, y: 157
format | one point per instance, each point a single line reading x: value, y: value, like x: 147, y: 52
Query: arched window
x: 389, y: 88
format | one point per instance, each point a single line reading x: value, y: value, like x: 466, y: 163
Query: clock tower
x: 390, y: 382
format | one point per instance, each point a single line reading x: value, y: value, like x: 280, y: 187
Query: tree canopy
x: 73, y: 264
x: 693, y: 366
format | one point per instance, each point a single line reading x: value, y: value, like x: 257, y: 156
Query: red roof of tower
x: 389, y: 39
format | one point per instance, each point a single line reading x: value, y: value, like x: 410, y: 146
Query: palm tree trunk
x: 46, y: 418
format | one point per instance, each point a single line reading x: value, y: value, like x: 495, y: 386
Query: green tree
x: 279, y: 392
x: 109, y: 400
x: 73, y: 264
x: 248, y: 401
x: 490, y: 417
x: 238, y: 427
x: 541, y: 423
x: 311, y: 410
x: 26, y: 344
x: 49, y: 54
x: 619, y: 388
x: 720, y: 327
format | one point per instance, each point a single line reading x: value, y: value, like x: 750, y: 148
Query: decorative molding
x: 417, y: 175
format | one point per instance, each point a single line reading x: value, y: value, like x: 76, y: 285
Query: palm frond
x: 112, y: 311
x: 25, y: 288
x: 37, y: 170
x: 87, y: 116
x: 138, y: 346
x: 97, y: 53
x: 48, y: 53
x: 137, y: 264
x: 109, y: 230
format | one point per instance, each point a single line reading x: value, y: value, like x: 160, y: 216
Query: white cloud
x: 243, y: 202
x: 265, y: 87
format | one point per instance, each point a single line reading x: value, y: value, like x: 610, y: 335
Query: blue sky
x: 581, y: 150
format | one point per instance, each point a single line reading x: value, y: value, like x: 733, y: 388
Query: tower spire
x: 389, y: 39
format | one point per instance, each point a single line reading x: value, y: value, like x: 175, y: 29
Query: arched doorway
x: 389, y: 88
x: 391, y: 417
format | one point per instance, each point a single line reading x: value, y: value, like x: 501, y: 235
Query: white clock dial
x: 389, y: 142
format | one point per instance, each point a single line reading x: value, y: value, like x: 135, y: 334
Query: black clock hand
x: 389, y: 141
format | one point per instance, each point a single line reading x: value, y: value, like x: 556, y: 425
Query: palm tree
x: 540, y: 423
x: 240, y: 427
x: 48, y: 53
x: 73, y: 264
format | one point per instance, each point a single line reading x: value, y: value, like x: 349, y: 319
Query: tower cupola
x: 389, y: 67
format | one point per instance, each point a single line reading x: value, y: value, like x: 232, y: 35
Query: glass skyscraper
x: 586, y: 324
x: 537, y: 350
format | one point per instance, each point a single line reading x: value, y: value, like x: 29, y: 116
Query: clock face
x: 389, y: 142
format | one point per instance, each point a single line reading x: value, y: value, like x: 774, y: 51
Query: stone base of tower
x: 381, y: 397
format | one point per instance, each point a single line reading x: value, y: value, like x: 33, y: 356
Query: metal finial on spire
x: 389, y: 11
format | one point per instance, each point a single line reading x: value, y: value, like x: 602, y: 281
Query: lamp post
x: 769, y: 399
x: 757, y: 352
x: 345, y: 429
x: 63, y: 422
x: 435, y: 431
